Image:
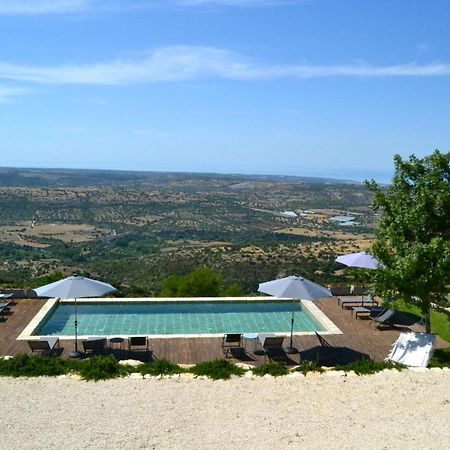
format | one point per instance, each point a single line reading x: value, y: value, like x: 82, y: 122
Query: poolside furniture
x: 116, y: 343
x: 94, y: 345
x: 273, y: 347
x: 413, y: 349
x: 358, y: 310
x: 230, y: 341
x: 3, y: 308
x: 385, y: 318
x: 250, y: 337
x: 43, y: 346
x: 322, y: 341
x: 376, y: 311
x: 137, y: 343
x: 361, y: 301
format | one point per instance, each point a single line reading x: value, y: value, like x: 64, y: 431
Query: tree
x: 413, y: 240
x: 202, y: 282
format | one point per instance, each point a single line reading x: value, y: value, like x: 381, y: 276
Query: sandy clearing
x: 384, y: 411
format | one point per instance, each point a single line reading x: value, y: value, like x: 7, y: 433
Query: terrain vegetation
x: 134, y: 229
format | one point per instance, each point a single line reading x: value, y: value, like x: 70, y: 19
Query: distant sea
x: 350, y: 174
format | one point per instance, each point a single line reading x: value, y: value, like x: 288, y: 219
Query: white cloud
x: 180, y: 63
x: 32, y: 7
x: 48, y: 7
x: 7, y: 92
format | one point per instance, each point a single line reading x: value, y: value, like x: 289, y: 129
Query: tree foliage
x: 202, y: 282
x: 413, y: 241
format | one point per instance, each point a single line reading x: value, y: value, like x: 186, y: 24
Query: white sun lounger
x: 413, y: 349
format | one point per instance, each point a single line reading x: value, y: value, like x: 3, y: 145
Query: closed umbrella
x: 361, y: 259
x: 295, y: 287
x: 75, y: 287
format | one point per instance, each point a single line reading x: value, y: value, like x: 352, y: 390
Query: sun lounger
x: 230, y: 341
x: 3, y: 308
x: 94, y: 345
x: 385, y: 318
x: 413, y: 349
x: 45, y: 346
x: 357, y: 301
x: 138, y: 343
x: 376, y: 311
x: 273, y: 347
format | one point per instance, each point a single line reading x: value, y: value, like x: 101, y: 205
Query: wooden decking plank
x: 358, y: 335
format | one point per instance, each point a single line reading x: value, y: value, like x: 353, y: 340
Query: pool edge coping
x: 47, y: 309
x: 51, y: 304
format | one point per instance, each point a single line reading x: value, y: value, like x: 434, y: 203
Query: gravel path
x: 386, y: 411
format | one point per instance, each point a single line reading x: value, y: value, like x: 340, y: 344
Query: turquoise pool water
x: 201, y: 317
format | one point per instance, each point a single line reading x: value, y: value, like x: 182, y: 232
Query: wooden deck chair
x: 230, y: 341
x: 43, y: 346
x: 273, y: 347
x: 92, y: 346
x: 323, y: 342
x: 138, y: 343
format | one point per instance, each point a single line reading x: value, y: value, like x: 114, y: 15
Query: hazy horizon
x: 359, y: 178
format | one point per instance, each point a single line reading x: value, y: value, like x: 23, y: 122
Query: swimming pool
x: 176, y: 317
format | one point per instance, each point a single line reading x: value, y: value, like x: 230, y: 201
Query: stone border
x: 50, y: 305
x: 43, y: 313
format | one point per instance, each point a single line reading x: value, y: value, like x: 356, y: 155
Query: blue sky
x: 295, y: 87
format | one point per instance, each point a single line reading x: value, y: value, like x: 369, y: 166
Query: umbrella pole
x: 75, y: 353
x: 291, y: 349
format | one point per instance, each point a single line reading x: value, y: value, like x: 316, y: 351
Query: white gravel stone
x: 260, y: 413
x: 418, y: 369
x: 335, y: 373
x: 130, y: 362
x: 135, y: 375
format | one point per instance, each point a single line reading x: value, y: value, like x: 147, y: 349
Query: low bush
x: 159, y: 368
x: 98, y: 368
x: 219, y: 369
x: 368, y: 367
x: 271, y: 368
x: 308, y: 366
x: 24, y: 365
x: 441, y: 358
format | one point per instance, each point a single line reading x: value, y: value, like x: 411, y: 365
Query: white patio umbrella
x: 361, y: 259
x: 295, y: 287
x: 75, y: 287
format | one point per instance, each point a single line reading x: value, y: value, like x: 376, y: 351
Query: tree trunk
x: 428, y: 320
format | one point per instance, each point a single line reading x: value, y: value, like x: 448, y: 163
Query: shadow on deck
x: 359, y: 339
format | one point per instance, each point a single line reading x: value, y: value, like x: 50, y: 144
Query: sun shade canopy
x: 75, y: 287
x: 296, y: 287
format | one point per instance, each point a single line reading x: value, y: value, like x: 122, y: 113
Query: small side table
x: 116, y: 342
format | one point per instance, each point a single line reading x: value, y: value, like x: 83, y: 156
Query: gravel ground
x: 390, y: 410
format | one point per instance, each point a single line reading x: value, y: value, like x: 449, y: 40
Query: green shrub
x: 271, y: 368
x: 219, y: 369
x: 441, y: 358
x: 308, y: 366
x: 160, y: 367
x: 24, y: 365
x: 368, y: 367
x: 99, y: 368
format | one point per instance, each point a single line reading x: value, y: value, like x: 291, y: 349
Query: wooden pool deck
x: 359, y: 338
